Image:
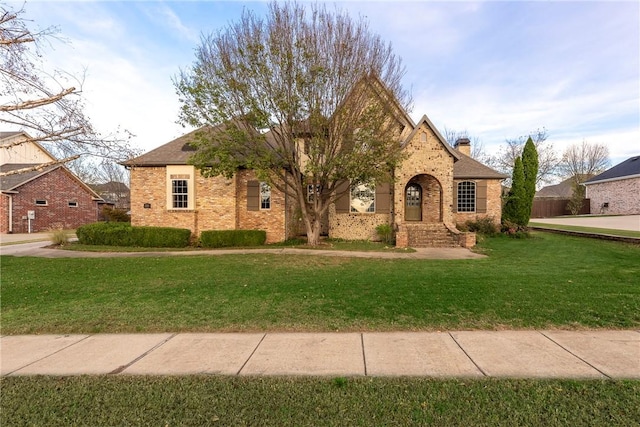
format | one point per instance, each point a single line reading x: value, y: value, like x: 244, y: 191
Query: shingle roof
x: 176, y: 152
x: 561, y: 190
x: 468, y: 168
x: 628, y: 168
x: 11, y: 182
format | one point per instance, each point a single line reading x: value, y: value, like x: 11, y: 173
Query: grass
x: 238, y: 401
x: 233, y: 401
x: 548, y: 281
x: 624, y: 233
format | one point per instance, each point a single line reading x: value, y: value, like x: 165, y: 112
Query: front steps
x: 432, y: 235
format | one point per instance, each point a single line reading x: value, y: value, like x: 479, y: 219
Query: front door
x: 413, y: 203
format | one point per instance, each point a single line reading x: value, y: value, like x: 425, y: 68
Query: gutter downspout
x: 10, y: 230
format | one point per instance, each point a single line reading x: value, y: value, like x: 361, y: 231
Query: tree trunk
x: 313, y: 233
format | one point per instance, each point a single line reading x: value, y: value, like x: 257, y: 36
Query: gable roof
x: 630, y: 168
x: 11, y: 183
x: 454, y: 153
x: 469, y: 168
x: 175, y: 152
x: 562, y: 190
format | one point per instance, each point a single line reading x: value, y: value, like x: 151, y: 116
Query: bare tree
x: 548, y: 159
x: 45, y: 104
x: 581, y: 161
x: 327, y: 90
x: 478, y: 151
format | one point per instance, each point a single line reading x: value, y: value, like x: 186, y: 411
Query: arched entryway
x: 423, y: 199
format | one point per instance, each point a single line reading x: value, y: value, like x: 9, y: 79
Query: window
x: 311, y: 192
x: 180, y: 193
x: 41, y: 202
x: 73, y: 204
x: 265, y: 196
x: 363, y: 198
x: 466, y: 196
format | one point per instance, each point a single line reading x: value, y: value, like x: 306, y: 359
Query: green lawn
x: 612, y: 232
x: 234, y: 401
x: 544, y: 282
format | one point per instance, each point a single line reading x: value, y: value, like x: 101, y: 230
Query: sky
x: 497, y: 69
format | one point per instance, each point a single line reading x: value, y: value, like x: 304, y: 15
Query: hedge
x: 230, y: 238
x: 123, y: 234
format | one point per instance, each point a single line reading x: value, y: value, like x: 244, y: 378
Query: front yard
x: 549, y: 281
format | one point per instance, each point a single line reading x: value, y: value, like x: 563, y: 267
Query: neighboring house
x: 43, y: 199
x: 616, y: 191
x: 116, y: 194
x: 434, y: 188
x: 555, y: 200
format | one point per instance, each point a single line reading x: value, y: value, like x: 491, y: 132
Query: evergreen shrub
x: 123, y: 234
x: 232, y: 238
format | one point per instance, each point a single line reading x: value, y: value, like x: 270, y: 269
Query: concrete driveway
x: 622, y: 222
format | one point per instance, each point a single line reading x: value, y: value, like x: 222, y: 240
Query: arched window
x: 466, y: 196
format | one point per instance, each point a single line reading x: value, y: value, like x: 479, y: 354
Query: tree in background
x: 581, y: 162
x: 322, y: 84
x: 478, y: 151
x: 530, y: 170
x: 46, y: 104
x: 515, y: 208
x: 548, y: 159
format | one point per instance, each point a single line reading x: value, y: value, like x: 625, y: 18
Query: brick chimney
x: 463, y: 145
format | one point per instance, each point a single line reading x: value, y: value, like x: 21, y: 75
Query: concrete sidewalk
x: 515, y: 354
x: 37, y: 248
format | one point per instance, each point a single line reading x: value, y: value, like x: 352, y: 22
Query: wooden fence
x: 548, y: 208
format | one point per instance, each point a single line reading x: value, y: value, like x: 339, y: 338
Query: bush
x: 59, y: 237
x: 385, y: 232
x: 123, y: 234
x: 232, y: 238
x: 515, y: 230
x: 115, y: 214
x: 485, y: 226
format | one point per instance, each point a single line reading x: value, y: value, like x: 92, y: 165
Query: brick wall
x: 4, y: 213
x: 622, y: 197
x: 58, y: 188
x: 494, y: 204
x: 355, y: 226
x: 272, y: 220
x: 219, y: 204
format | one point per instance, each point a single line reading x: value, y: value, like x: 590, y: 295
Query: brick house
x: 434, y: 188
x: 52, y: 195
x: 616, y: 191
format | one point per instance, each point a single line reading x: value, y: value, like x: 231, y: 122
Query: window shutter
x: 455, y: 197
x: 481, y: 197
x: 383, y: 198
x: 342, y: 203
x: 253, y: 195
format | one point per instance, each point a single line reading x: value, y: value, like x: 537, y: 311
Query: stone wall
x: 355, y: 226
x: 621, y: 196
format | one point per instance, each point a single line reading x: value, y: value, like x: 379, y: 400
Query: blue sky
x: 498, y: 69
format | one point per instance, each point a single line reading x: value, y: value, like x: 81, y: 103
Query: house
x: 616, y: 191
x: 114, y: 193
x: 434, y: 187
x: 36, y: 196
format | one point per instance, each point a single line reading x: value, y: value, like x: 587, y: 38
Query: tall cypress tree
x: 530, y: 169
x: 515, y: 208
